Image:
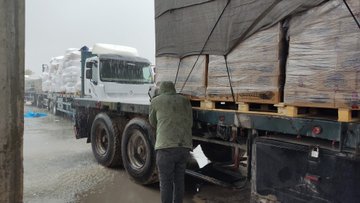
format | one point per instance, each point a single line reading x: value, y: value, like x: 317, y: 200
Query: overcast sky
x: 52, y: 26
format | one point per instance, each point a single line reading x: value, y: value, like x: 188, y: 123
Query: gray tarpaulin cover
x: 182, y: 26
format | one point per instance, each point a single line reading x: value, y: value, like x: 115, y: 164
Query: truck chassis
x: 285, y: 158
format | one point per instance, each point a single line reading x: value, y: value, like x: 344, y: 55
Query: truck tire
x: 216, y: 152
x: 138, y: 152
x: 105, y: 141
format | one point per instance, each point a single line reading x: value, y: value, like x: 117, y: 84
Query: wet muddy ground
x: 59, y: 168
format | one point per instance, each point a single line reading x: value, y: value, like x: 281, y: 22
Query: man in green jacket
x: 171, y: 115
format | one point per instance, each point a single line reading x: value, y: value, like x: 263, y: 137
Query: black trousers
x: 171, y: 163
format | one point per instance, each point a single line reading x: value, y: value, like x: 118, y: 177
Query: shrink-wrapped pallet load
x: 71, y: 71
x: 51, y: 77
x: 63, y: 73
x: 255, y: 69
x: 195, y: 86
x: 323, y: 66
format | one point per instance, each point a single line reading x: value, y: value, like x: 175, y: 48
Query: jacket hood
x: 167, y: 87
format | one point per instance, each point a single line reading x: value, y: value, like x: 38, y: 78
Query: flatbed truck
x: 287, y: 158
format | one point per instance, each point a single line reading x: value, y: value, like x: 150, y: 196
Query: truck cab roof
x: 124, y: 58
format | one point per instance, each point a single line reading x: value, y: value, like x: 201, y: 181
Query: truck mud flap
x: 289, y: 172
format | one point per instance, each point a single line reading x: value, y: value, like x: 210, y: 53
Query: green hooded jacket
x: 171, y: 115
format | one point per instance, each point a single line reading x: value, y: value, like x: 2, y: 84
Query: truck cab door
x: 92, y: 84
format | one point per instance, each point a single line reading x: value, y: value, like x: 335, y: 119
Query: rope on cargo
x: 177, y: 72
x: 228, y: 74
x: 182, y: 7
x: 202, y: 50
x: 352, y: 14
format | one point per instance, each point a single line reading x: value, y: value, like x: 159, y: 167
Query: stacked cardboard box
x: 255, y: 70
x: 194, y: 78
x: 323, y: 67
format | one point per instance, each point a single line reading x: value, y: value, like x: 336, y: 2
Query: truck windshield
x: 125, y: 72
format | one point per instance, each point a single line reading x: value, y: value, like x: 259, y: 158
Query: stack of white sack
x: 51, y: 77
x: 71, y: 71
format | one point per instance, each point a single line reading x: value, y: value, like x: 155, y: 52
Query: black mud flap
x: 287, y: 172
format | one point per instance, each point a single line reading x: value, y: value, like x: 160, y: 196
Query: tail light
x: 316, y: 130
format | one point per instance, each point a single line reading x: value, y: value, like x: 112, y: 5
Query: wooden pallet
x: 259, y: 97
x: 254, y: 108
x: 214, y: 105
x: 341, y: 114
x: 280, y: 109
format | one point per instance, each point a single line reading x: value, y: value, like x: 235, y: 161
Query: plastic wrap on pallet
x: 63, y: 73
x: 167, y: 67
x: 70, y: 77
x: 254, y: 69
x: 75, y: 62
x: 71, y: 71
x: 51, y: 77
x: 323, y: 66
x: 72, y: 54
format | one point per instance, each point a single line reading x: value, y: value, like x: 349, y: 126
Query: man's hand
x: 153, y: 92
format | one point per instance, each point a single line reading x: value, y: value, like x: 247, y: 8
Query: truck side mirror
x: 88, y: 74
x: 89, y: 64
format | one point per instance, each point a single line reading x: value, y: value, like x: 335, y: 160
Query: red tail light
x: 316, y: 130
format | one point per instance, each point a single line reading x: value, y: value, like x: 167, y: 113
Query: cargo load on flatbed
x: 308, y: 59
x: 323, y: 66
x: 279, y: 77
x: 62, y: 75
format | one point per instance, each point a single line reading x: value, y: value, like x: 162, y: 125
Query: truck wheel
x: 216, y: 152
x: 138, y: 152
x: 105, y: 141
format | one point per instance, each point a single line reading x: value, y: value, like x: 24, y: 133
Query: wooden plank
x: 311, y: 105
x: 291, y: 111
x: 207, y: 104
x: 344, y: 115
x: 243, y: 107
x: 266, y: 97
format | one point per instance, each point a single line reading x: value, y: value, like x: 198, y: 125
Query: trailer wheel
x: 105, y: 141
x: 216, y: 152
x: 138, y: 152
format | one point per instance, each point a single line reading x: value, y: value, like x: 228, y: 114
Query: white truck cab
x: 111, y: 77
